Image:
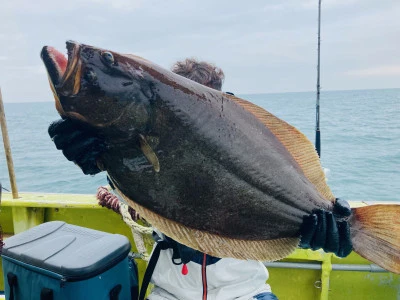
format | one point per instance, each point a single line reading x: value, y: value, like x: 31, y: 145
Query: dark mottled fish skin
x: 221, y: 169
x: 216, y: 174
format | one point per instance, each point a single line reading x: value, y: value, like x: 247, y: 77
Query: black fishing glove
x: 328, y: 230
x: 78, y: 144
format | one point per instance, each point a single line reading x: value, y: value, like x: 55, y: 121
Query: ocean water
x: 360, y: 132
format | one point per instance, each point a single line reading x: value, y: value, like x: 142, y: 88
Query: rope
x: 106, y: 199
x: 129, y: 215
x: 137, y: 231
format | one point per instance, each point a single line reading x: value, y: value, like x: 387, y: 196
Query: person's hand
x: 78, y: 144
x: 328, y: 230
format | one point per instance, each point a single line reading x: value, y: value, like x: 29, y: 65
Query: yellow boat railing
x: 320, y: 281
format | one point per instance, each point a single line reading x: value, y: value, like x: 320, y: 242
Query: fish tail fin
x: 375, y: 234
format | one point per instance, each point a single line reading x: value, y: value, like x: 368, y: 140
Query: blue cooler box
x: 59, y: 261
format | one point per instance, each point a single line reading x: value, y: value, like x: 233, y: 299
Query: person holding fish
x: 178, y: 271
x: 212, y: 171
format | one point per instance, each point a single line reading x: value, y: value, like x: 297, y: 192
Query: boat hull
x: 322, y: 277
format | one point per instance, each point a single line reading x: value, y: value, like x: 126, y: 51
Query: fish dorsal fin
x: 149, y: 153
x: 297, y: 144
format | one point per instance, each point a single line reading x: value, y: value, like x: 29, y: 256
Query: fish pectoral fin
x: 149, y: 153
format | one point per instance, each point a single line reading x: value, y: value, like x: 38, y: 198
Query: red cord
x: 204, y: 276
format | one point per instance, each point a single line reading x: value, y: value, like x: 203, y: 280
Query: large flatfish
x: 211, y: 170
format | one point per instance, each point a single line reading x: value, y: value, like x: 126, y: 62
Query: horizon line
x: 264, y: 93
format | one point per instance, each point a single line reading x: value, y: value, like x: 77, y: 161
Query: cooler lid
x: 69, y: 250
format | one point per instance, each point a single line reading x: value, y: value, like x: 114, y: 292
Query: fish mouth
x: 63, y: 71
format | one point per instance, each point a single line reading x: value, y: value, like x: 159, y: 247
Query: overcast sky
x: 262, y: 46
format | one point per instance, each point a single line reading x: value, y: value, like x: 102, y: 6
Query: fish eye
x: 108, y: 57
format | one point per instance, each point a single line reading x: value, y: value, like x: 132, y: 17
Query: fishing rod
x: 7, y: 149
x: 317, y: 128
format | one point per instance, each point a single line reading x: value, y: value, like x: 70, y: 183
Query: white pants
x: 226, y: 279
